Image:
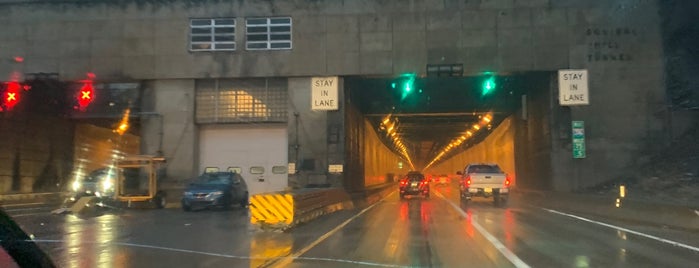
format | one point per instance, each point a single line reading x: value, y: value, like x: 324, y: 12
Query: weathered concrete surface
x: 168, y: 129
x: 618, y: 42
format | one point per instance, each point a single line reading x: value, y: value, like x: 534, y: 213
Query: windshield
x: 484, y: 169
x: 99, y: 175
x: 351, y: 133
x: 415, y: 177
x: 211, y: 179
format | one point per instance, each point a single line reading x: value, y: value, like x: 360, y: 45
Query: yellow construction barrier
x: 282, y: 210
x: 272, y: 209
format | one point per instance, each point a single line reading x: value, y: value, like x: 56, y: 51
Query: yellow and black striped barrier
x: 283, y: 210
x: 272, y: 209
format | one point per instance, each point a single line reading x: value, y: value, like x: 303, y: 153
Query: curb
x: 31, y: 196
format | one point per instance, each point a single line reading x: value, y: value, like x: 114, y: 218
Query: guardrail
x: 283, y: 210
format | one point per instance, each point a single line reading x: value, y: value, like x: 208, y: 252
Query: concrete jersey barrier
x: 283, y: 210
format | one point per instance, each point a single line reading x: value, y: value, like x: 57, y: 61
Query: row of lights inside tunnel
x: 483, y: 122
x: 398, y: 143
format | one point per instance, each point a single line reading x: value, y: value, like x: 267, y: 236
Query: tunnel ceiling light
x: 476, y: 127
x: 486, y: 119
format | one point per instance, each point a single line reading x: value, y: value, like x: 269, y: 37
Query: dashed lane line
x: 516, y: 261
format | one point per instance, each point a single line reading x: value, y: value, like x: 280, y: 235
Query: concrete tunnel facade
x: 150, y: 45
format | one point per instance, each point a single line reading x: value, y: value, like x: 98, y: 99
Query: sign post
x: 578, y: 139
x: 324, y: 95
x: 572, y: 87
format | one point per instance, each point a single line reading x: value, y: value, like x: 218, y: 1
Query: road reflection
x: 266, y: 247
x: 89, y: 242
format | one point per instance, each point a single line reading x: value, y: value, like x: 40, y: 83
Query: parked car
x: 485, y: 180
x: 414, y: 184
x: 215, y: 189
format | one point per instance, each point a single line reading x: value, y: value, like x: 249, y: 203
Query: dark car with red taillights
x: 414, y: 184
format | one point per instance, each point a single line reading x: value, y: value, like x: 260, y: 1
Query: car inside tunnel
x: 437, y: 125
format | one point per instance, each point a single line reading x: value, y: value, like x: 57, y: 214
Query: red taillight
x: 403, y: 182
x: 507, y: 181
x: 468, y: 181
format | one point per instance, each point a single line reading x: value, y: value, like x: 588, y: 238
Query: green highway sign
x: 578, y: 139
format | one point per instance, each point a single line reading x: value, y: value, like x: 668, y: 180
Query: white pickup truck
x: 485, y: 180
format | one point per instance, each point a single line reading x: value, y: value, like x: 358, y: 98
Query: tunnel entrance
x: 429, y: 124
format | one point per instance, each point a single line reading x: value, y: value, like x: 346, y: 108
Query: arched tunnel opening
x: 437, y: 125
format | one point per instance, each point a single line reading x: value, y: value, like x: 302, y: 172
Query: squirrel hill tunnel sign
x: 324, y: 93
x: 572, y: 87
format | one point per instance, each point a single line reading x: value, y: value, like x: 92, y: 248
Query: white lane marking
x: 28, y: 214
x: 285, y: 261
x: 516, y: 261
x: 21, y: 205
x: 211, y: 253
x: 674, y: 243
x: 150, y: 247
x: 25, y: 209
x: 350, y: 261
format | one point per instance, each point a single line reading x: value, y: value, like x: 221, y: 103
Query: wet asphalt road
x: 435, y: 232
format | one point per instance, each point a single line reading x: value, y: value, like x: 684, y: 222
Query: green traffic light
x: 488, y: 85
x: 406, y: 83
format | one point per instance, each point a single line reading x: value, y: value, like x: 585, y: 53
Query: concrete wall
x: 171, y: 101
x: 617, y: 41
x: 380, y: 161
x: 126, y: 40
x: 36, y: 152
x: 314, y: 136
x: 367, y: 160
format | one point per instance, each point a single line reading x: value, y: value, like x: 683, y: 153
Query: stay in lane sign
x: 324, y: 93
x: 572, y: 87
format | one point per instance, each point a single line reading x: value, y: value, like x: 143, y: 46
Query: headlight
x: 76, y: 186
x: 107, y: 184
x: 216, y: 193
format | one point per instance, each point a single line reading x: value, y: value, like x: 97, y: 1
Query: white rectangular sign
x: 292, y: 168
x: 335, y: 168
x: 324, y: 93
x: 572, y: 87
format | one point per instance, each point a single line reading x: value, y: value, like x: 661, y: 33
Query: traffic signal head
x: 405, y: 83
x: 85, y: 95
x: 10, y: 95
x: 488, y: 85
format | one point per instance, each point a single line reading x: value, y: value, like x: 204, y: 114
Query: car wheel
x: 227, y: 202
x: 186, y: 207
x: 160, y: 200
x: 245, y: 201
x: 502, y: 202
x: 402, y: 196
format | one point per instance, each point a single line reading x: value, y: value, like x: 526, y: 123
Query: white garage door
x: 258, y: 153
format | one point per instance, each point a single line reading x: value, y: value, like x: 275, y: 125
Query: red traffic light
x: 86, y: 95
x: 11, y: 95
